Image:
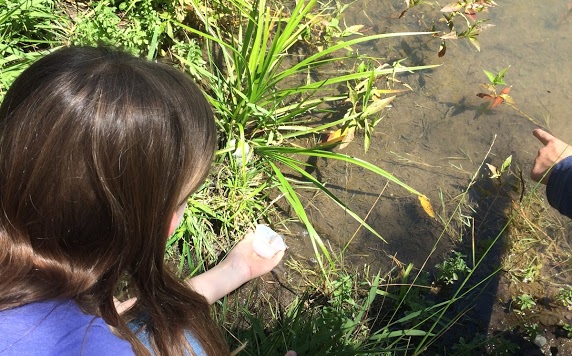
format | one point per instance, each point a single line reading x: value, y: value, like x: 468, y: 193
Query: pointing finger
x: 542, y: 136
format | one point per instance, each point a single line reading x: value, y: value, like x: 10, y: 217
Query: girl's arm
x: 241, y: 265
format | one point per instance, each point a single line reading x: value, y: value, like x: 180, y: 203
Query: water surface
x: 436, y: 137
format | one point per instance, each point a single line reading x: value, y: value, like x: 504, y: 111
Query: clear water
x: 436, y: 137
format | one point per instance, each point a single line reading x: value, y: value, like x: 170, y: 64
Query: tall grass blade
x: 340, y: 157
x: 296, y: 204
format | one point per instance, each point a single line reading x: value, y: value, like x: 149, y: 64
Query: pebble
x: 540, y: 340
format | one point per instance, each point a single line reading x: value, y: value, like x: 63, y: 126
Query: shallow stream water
x: 435, y: 137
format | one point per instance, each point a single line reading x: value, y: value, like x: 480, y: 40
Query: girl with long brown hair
x: 99, y: 152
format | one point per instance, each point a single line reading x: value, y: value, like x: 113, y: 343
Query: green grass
x: 28, y: 28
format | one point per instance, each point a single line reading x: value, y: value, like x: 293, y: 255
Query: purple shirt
x: 57, y: 328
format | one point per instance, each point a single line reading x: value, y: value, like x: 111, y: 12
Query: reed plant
x: 267, y: 99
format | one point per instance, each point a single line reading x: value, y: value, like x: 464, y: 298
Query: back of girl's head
x: 97, y: 149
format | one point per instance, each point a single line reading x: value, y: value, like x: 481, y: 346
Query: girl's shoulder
x: 57, y: 327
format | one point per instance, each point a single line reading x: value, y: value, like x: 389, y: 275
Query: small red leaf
x: 505, y: 91
x: 498, y: 100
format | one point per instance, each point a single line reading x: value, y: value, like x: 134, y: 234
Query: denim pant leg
x: 143, y: 336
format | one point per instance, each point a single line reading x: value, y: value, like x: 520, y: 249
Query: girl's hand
x: 122, y: 307
x: 248, y: 263
x: 553, y: 151
x: 240, y: 265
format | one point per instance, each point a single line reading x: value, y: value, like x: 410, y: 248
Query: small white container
x: 242, y: 149
x: 267, y: 242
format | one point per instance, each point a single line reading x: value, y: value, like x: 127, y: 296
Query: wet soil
x: 435, y: 139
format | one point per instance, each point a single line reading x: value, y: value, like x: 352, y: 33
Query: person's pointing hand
x: 553, y: 151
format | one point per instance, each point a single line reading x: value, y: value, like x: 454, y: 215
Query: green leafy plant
x: 137, y: 26
x: 497, y: 79
x: 531, y: 329
x: 468, y: 27
x: 498, y: 173
x: 568, y: 329
x: 494, y: 98
x: 528, y: 272
x: 468, y: 11
x: 564, y: 295
x: 525, y: 302
x: 451, y: 269
x: 132, y: 25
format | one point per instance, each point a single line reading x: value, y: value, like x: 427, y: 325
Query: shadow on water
x: 483, y: 245
x: 487, y: 214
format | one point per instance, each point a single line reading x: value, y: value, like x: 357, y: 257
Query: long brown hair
x: 96, y: 149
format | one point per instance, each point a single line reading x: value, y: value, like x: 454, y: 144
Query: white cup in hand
x: 267, y: 242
